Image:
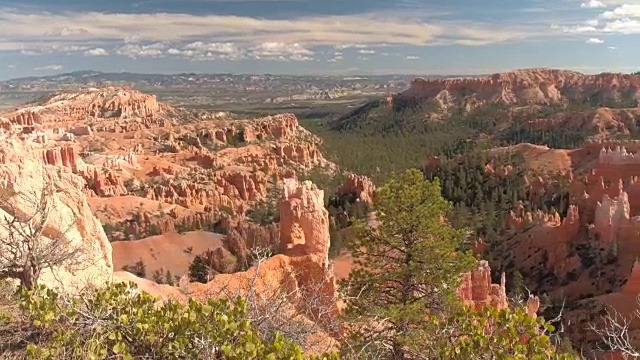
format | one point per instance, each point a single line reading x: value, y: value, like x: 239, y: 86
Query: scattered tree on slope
x: 405, y: 269
x: 400, y: 297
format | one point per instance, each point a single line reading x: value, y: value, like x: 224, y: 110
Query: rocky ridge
x: 527, y: 86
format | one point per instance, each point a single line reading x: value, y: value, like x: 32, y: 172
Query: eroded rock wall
x: 22, y: 172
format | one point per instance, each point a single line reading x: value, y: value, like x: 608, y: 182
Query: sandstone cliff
x: 302, y: 274
x: 304, y: 221
x: 90, y: 103
x: 537, y: 86
x: 476, y: 290
x: 22, y: 172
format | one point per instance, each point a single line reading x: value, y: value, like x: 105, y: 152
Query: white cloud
x: 211, y: 51
x: 624, y: 26
x: 623, y: 19
x: 48, y: 68
x: 281, y: 51
x: 366, y: 51
x: 592, y: 4
x: 134, y: 50
x: 578, y: 29
x: 66, y: 31
x: 595, y: 41
x: 112, y: 31
x: 11, y: 66
x: 611, y: 47
x: 622, y: 12
x: 412, y: 57
x: 96, y: 52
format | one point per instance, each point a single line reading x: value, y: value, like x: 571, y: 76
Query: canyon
x: 151, y: 187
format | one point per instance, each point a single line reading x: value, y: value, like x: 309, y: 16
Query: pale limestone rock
x: 610, y: 215
x: 23, y: 171
x: 304, y: 221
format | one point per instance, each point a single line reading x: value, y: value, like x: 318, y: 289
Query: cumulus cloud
x: 622, y: 12
x: 624, y: 26
x: 592, y: 4
x: 623, y: 19
x: 211, y: 51
x: 412, y: 57
x: 48, y: 68
x: 96, y: 52
x: 595, y: 41
x: 611, y: 47
x: 134, y: 50
x: 281, y: 51
x: 366, y: 51
x: 277, y: 51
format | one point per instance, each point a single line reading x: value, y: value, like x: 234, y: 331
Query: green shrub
x: 119, y: 322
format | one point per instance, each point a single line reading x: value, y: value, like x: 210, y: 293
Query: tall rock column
x: 304, y: 222
x: 477, y: 290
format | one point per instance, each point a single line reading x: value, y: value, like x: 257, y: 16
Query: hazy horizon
x: 346, y: 74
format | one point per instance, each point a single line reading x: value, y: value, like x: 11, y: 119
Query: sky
x: 46, y: 37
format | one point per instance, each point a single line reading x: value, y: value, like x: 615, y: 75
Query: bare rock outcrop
x: 533, y: 86
x: 66, y: 156
x: 304, y: 221
x: 305, y: 154
x: 476, y: 290
x: 610, y: 216
x: 89, y: 103
x: 224, y: 188
x: 22, y: 171
x: 279, y: 126
x: 360, y: 186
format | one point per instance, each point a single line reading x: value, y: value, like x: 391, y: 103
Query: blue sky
x: 43, y: 37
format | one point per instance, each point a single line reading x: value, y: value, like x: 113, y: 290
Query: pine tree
x: 199, y: 270
x: 518, y: 288
x: 405, y: 269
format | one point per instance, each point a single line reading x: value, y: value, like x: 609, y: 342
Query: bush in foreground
x: 120, y: 322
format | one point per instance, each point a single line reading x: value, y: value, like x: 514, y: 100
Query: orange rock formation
x: 539, y: 86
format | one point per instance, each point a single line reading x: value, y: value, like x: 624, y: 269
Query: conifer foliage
x: 406, y: 268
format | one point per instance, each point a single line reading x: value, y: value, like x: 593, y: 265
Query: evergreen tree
x: 405, y: 269
x: 518, y: 288
x: 199, y: 270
